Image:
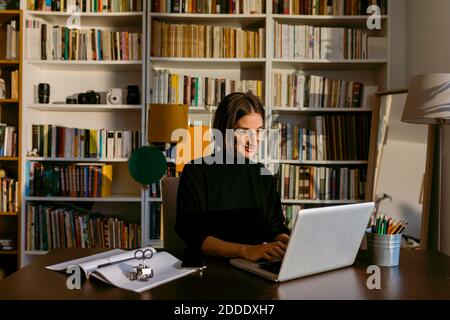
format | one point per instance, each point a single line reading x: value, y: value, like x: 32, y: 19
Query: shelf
x: 286, y: 201
x: 85, y: 107
x: 115, y: 198
x: 9, y: 159
x: 200, y: 110
x: 324, y: 21
x: 97, y: 19
x: 8, y: 252
x: 8, y: 62
x: 322, y: 64
x: 93, y: 160
x: 155, y: 243
x: 317, y: 110
x: 243, y: 19
x: 207, y: 63
x: 36, y: 253
x: 91, y: 65
x: 2, y: 101
x: 316, y: 162
x: 9, y: 214
x: 155, y: 200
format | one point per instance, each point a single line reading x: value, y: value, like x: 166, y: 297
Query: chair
x: 169, y: 189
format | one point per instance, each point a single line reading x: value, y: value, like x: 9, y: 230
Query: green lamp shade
x: 147, y: 165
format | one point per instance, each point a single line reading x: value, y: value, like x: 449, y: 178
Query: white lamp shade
x: 428, y: 100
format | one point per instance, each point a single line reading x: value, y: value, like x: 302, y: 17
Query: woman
x: 232, y: 210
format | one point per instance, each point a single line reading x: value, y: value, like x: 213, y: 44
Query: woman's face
x: 247, y: 134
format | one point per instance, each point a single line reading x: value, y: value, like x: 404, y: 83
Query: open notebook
x: 114, y: 266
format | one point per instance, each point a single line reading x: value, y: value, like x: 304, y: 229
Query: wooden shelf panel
x: 6, y: 101
x: 9, y: 62
x: 9, y: 159
x: 9, y: 213
x: 8, y: 252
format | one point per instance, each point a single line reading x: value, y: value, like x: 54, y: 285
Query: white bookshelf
x: 69, y: 78
x: 370, y: 72
x: 112, y: 73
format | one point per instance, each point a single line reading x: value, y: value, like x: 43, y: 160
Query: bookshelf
x: 69, y: 77
x: 370, y: 72
x: 10, y: 113
x: 140, y: 203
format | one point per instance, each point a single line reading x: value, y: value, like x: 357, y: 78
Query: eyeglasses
x: 250, y: 133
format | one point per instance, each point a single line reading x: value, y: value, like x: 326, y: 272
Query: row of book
x: 62, y: 226
x: 9, y: 195
x: 324, y: 138
x: 11, y: 42
x: 322, y: 183
x: 72, y: 180
x: 61, y: 142
x: 167, y: 87
x: 310, y: 42
x: 298, y: 90
x: 54, y: 42
x: 155, y: 221
x: 85, y: 5
x: 327, y: 7
x: 8, y: 141
x: 205, y: 41
x: 209, y: 6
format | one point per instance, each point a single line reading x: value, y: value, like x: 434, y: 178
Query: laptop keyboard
x: 273, y: 267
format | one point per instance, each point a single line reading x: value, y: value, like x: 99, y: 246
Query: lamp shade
x: 428, y: 100
x: 164, y: 119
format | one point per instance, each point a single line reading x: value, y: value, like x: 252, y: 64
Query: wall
x: 428, y: 48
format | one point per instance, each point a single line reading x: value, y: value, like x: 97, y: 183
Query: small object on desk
x: 110, y: 266
x: 142, y: 271
x: 384, y: 240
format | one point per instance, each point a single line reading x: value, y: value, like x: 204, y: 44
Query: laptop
x: 322, y: 239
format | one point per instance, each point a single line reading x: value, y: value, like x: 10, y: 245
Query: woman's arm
x: 270, y: 251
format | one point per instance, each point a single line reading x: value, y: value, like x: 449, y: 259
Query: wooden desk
x: 421, y: 275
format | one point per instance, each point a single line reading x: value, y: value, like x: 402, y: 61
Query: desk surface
x: 421, y: 275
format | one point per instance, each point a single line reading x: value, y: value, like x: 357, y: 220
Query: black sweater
x: 232, y: 202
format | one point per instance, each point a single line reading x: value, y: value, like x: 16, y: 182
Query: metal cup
x: 383, y: 249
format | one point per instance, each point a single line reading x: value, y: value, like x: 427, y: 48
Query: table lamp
x: 148, y: 164
x: 428, y: 102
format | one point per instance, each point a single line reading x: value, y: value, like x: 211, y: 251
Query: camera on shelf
x: 114, y: 96
x: 90, y: 97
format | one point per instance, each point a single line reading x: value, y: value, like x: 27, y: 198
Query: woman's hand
x: 283, y: 237
x: 272, y: 251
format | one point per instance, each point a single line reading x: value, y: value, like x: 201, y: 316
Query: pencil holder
x: 383, y: 249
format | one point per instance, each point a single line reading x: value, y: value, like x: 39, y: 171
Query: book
x: 113, y: 267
